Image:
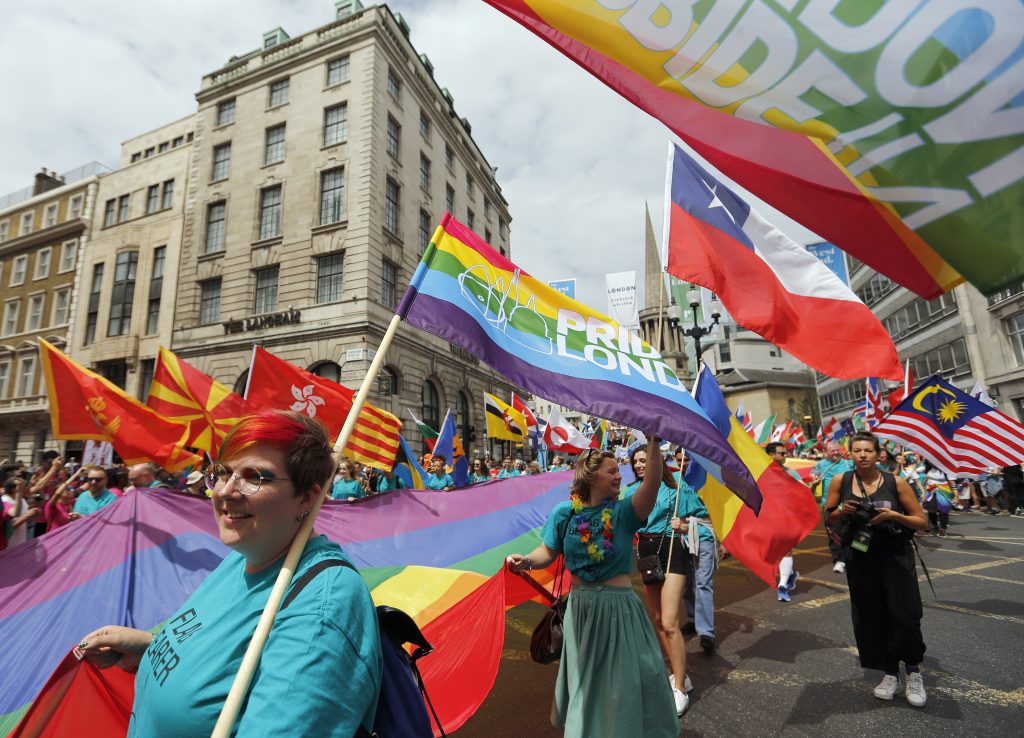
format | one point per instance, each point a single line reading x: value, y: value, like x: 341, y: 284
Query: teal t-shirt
x: 505, y: 473
x: 657, y: 521
x: 86, y: 504
x: 342, y: 489
x: 625, y: 524
x: 826, y: 470
x: 440, y: 481
x: 386, y: 485
x: 478, y: 478
x: 319, y: 673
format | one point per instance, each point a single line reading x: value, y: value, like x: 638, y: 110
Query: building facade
x: 320, y: 169
x: 43, y: 232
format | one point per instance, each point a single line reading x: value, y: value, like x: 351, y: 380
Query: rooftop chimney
x: 45, y: 181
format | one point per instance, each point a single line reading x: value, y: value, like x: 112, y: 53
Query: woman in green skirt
x: 611, y: 677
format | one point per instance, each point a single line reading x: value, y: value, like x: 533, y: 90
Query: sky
x: 576, y: 162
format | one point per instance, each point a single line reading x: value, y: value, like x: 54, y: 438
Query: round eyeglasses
x: 248, y: 479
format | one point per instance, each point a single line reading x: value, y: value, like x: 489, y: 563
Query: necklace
x: 596, y: 551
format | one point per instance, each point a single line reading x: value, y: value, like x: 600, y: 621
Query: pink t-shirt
x: 56, y: 514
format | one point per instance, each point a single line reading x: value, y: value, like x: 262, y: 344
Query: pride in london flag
x: 84, y: 405
x: 788, y: 510
x: 470, y: 295
x: 892, y: 130
x: 183, y: 393
x: 767, y: 282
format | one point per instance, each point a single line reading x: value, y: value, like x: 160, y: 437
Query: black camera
x: 38, y: 498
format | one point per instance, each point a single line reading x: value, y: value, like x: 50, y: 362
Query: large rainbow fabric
x: 438, y: 556
x: 470, y: 295
x: 788, y: 512
x: 893, y: 130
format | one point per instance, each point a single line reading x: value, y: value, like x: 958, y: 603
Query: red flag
x: 899, y: 394
x: 274, y: 382
x: 182, y: 392
x: 518, y: 404
x: 84, y: 405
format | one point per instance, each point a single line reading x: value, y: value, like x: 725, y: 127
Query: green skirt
x: 612, y: 680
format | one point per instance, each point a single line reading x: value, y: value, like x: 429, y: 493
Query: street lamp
x: 696, y: 331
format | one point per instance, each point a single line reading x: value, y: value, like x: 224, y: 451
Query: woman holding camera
x: 880, y: 512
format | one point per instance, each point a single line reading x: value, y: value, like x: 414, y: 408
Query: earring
x: 302, y: 515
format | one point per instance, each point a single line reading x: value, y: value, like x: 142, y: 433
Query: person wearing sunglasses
x: 479, y: 472
x: 320, y: 671
x: 95, y: 496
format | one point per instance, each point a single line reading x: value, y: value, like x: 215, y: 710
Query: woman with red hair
x: 320, y: 671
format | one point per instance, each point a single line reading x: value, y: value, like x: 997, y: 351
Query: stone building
x: 320, y: 169
x: 43, y: 231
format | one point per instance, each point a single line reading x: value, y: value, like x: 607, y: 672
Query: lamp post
x: 696, y: 331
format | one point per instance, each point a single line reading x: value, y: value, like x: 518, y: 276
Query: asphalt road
x: 791, y: 669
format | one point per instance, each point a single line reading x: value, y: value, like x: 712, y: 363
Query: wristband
x: 529, y: 563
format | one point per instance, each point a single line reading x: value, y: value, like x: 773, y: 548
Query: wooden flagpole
x: 251, y: 659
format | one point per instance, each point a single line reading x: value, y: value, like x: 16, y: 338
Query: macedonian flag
x: 183, y: 393
x: 84, y: 405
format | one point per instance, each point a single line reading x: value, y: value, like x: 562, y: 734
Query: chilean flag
x: 768, y: 283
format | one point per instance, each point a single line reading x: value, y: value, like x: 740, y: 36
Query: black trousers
x: 886, y: 604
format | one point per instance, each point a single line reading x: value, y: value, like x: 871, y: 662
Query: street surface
x: 791, y: 669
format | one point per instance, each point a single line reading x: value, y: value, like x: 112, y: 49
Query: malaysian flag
x: 957, y: 433
x: 873, y: 413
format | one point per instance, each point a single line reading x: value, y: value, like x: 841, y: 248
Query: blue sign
x: 832, y: 257
x: 566, y: 286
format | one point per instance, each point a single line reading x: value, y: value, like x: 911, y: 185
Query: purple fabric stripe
x: 604, y: 399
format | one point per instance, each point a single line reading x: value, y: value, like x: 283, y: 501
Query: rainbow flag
x: 555, y: 347
x: 99, y: 571
x: 788, y: 512
x: 890, y: 130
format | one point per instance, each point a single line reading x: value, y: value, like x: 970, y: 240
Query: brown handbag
x: 546, y: 641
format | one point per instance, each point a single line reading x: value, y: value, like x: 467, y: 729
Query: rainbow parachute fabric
x: 438, y: 556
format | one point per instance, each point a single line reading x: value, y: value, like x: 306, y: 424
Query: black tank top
x: 885, y: 497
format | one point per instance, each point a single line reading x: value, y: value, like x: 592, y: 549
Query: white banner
x: 622, y: 305
x: 98, y: 453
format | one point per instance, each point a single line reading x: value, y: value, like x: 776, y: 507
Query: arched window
x: 387, y: 381
x: 328, y: 370
x: 464, y: 418
x: 243, y: 379
x: 431, y: 405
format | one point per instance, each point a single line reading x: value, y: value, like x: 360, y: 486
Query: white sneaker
x: 889, y: 687
x: 687, y: 684
x: 682, y: 702
x: 839, y: 567
x: 916, y: 695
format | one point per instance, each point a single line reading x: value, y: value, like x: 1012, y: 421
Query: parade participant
x: 41, y: 488
x: 195, y: 484
x: 146, y: 476
x: 665, y: 598
x: 507, y: 469
x: 320, y: 671
x: 611, y: 677
x: 558, y: 464
x: 788, y: 575
x: 19, y: 512
x: 95, y: 496
x: 479, y: 472
x: 886, y: 462
x: 346, y: 486
x: 880, y: 512
x: 938, y: 499
x: 439, y: 479
x: 533, y: 468
x: 911, y: 469
x: 700, y: 591
x: 57, y: 510
x: 388, y: 481
x: 824, y: 471
x: 1013, y: 489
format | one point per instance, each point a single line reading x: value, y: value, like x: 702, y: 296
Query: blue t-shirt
x: 342, y: 489
x: 86, y: 504
x: 440, y: 481
x: 826, y: 470
x: 793, y: 473
x: 319, y: 673
x: 624, y: 524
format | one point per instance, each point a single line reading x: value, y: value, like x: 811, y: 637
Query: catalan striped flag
x: 183, y: 393
x: 553, y: 346
x: 788, y: 510
x: 959, y: 434
x: 274, y: 382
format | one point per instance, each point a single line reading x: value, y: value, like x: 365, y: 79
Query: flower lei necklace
x: 594, y: 550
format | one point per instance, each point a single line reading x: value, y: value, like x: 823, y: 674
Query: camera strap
x: 925, y: 568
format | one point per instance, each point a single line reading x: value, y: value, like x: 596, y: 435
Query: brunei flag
x: 788, y: 510
x: 182, y: 392
x: 504, y: 421
x: 84, y: 406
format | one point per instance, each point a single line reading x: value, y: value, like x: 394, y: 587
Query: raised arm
x: 38, y: 486
x: 647, y: 493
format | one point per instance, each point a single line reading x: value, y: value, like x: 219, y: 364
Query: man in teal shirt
x: 96, y: 496
x: 823, y: 472
x: 507, y: 470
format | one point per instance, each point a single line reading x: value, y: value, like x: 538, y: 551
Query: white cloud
x: 576, y: 161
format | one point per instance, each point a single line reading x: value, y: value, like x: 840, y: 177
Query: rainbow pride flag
x: 557, y: 348
x: 892, y: 130
x: 439, y: 557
